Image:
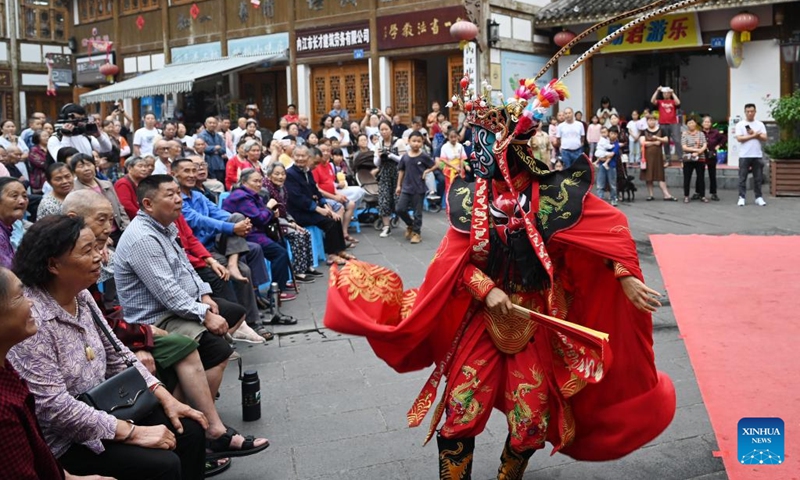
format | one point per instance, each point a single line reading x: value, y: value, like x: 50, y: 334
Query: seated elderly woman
x: 245, y: 199
x: 13, y: 204
x: 173, y: 358
x: 23, y: 452
x: 138, y: 169
x: 298, y: 237
x: 59, y: 176
x: 85, y: 170
x: 306, y: 204
x: 248, y: 155
x: 57, y: 261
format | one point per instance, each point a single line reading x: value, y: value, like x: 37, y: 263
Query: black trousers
x: 712, y: 179
x: 129, y: 462
x: 688, y: 168
x: 408, y: 202
x: 333, y: 233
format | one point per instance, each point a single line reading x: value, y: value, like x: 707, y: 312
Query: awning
x: 173, y: 78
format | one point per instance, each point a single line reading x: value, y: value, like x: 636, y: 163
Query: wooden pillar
x: 375, y: 73
x: 165, y: 31
x: 292, y: 5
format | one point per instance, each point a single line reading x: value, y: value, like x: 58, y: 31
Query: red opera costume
x: 572, y: 362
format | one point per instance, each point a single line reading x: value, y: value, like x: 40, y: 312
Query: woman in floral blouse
x: 69, y: 355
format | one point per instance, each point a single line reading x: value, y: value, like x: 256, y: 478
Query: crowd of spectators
x: 169, y: 236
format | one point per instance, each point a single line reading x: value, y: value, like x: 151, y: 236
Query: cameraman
x: 75, y: 129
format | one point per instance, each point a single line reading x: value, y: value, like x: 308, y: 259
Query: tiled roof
x: 575, y: 12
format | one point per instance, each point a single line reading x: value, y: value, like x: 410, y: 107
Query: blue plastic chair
x: 354, y: 222
x: 317, y: 245
x: 222, y: 197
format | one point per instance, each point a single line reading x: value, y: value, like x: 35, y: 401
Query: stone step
x: 727, y: 177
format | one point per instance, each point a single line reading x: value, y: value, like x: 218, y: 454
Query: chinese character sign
x: 341, y: 38
x: 669, y: 31
x: 418, y: 29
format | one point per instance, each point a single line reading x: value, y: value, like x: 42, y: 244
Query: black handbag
x: 125, y: 395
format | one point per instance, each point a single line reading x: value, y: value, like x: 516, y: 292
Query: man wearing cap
x: 668, y: 117
x: 76, y: 130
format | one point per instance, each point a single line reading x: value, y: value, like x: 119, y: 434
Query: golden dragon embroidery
x: 462, y: 397
x: 453, y: 467
x: 549, y: 205
x: 521, y: 417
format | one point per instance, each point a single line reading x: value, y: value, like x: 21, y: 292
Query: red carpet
x: 737, y: 301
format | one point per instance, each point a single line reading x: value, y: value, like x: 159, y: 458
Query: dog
x: 627, y: 190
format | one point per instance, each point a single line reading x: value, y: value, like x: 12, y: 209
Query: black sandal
x: 213, y: 467
x: 283, y: 320
x: 650, y: 199
x: 221, y: 447
x: 314, y: 273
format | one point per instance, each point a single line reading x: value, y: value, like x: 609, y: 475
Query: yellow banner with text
x: 678, y: 30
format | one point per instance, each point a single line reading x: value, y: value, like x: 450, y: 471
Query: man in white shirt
x: 750, y: 133
x: 145, y: 137
x: 570, y: 136
x: 74, y: 129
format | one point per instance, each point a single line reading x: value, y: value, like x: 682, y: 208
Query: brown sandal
x: 347, y: 256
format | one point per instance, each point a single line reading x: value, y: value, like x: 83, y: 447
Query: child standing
x: 593, y: 135
x: 606, y: 170
x: 412, y: 169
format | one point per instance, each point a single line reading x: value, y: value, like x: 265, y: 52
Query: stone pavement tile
x: 323, y: 383
x: 385, y: 471
x: 669, y: 461
x: 274, y: 463
x: 336, y: 427
x: 354, y: 453
x: 402, y: 393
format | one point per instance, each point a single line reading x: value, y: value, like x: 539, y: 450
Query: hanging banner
x: 678, y: 30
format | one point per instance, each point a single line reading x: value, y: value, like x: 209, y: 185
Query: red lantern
x: 563, y: 38
x: 745, y: 23
x: 109, y: 70
x: 464, y: 32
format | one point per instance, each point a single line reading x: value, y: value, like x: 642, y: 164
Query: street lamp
x: 492, y: 32
x: 790, y: 49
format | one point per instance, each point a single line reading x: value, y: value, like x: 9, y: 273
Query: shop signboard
x: 333, y: 39
x: 275, y: 44
x: 678, y: 30
x: 418, y: 28
x: 61, y: 68
x: 87, y: 69
x: 471, y: 63
x: 196, y: 53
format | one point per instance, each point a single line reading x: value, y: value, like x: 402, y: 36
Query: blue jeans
x: 278, y: 262
x: 568, y: 157
x: 606, y: 176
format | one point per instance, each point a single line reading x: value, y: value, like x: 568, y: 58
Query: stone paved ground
x: 332, y: 410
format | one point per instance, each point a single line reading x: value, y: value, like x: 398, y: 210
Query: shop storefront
x: 337, y: 57
x: 267, y: 84
x: 424, y: 65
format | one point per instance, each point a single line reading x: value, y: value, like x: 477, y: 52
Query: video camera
x: 75, y: 115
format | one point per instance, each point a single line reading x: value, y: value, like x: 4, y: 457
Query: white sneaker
x: 386, y: 232
x: 760, y: 202
x: 741, y: 202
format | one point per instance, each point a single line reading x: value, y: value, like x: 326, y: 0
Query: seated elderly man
x: 172, y: 357
x: 163, y: 161
x: 222, y: 233
x: 157, y: 285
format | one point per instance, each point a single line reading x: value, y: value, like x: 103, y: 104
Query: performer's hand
x: 498, y: 302
x: 640, y: 295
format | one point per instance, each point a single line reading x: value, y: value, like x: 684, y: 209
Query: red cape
x: 411, y: 330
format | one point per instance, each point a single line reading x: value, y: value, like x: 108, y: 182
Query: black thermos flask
x: 251, y: 396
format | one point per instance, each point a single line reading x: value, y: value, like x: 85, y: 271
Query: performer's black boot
x: 513, y: 464
x: 455, y: 458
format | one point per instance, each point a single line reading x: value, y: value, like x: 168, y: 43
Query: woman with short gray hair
x: 138, y: 169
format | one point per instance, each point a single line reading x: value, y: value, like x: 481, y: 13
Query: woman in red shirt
x: 668, y: 119
x: 248, y: 155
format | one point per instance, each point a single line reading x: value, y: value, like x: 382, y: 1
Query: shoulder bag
x: 125, y: 395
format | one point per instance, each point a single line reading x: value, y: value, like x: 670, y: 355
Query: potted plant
x: 785, y: 153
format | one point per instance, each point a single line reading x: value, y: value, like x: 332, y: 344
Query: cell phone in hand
x: 749, y: 130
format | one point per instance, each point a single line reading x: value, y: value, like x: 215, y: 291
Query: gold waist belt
x: 510, y: 333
